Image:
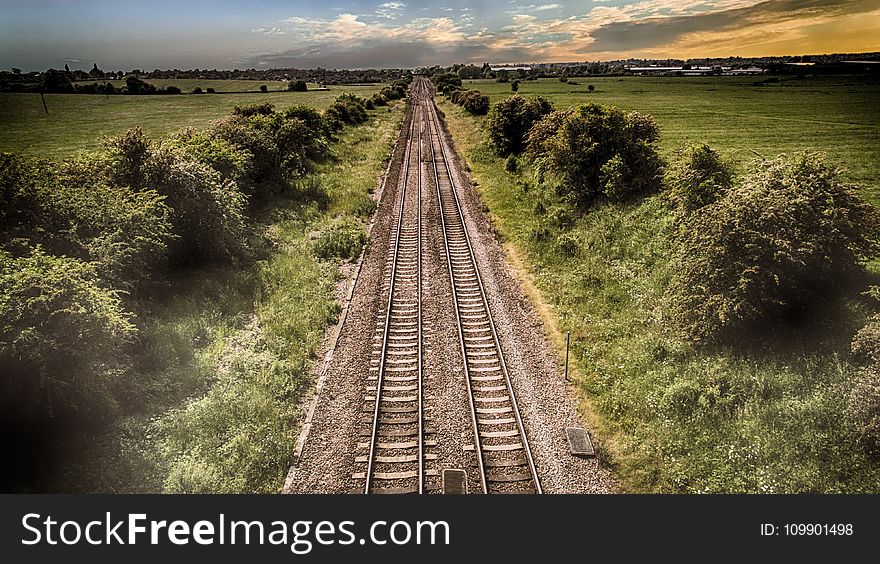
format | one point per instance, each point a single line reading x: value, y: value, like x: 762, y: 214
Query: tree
x: 264, y: 88
x: 596, y: 150
x: 297, y: 86
x: 514, y: 86
x: 510, y: 120
x: 96, y: 72
x: 55, y: 81
x: 591, y: 87
x: 444, y: 80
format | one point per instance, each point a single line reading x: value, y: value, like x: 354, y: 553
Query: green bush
x: 343, y: 239
x: 233, y: 163
x: 73, y: 209
x: 207, y: 211
x: 769, y: 248
x: 475, y: 102
x: 697, y: 176
x: 347, y: 109
x: 595, y: 150
x: 510, y: 120
x: 297, y: 86
x: 863, y: 410
x: 443, y: 80
x: 59, y: 333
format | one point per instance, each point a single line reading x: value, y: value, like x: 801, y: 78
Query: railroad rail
x: 395, y: 459
x: 395, y: 451
x: 502, y: 449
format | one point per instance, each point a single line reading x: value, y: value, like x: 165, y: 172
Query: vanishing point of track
x: 397, y: 447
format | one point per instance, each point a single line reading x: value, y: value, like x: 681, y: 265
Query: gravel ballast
x: 327, y: 461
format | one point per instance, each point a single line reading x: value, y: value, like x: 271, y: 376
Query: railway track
x: 396, y: 440
x: 395, y: 449
x: 502, y: 449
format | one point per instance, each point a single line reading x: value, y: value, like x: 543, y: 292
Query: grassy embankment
x: 79, y: 121
x: 231, y: 348
x: 768, y: 419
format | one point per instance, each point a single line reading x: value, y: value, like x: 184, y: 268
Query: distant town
x: 15, y: 80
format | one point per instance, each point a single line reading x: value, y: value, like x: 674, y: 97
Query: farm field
x: 840, y: 115
x: 79, y: 121
x: 187, y: 84
x: 670, y: 417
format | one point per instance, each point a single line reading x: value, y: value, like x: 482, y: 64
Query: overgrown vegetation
x: 152, y: 270
x: 732, y: 402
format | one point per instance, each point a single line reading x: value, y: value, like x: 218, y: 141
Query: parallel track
x: 396, y: 454
x: 396, y: 457
x: 503, y: 454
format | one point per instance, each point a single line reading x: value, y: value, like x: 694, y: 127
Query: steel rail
x: 430, y: 106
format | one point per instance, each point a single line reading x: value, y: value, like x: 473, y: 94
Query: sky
x: 226, y: 34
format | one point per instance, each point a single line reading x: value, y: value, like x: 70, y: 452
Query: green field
x: 840, y: 115
x: 79, y: 121
x: 763, y: 418
x: 187, y: 85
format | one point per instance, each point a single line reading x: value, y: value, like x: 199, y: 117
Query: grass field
x: 840, y: 115
x: 79, y: 121
x: 669, y: 417
x: 187, y: 85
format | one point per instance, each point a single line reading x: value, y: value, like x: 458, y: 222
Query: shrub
x: 863, y: 410
x: 343, y: 239
x: 58, y: 328
x: 197, y: 90
x: 297, y: 86
x: 697, y: 176
x: 563, y: 79
x: 514, y: 86
x: 346, y: 109
x: 207, y: 211
x: 475, y: 103
x: 264, y: 88
x: 442, y: 80
x: 769, y: 248
x: 135, y: 85
x: 73, y: 209
x: 261, y: 109
x: 230, y: 161
x: 866, y: 342
x: 510, y: 120
x: 595, y: 150
x: 591, y: 88
x: 264, y: 161
x: 208, y: 90
x: 511, y: 165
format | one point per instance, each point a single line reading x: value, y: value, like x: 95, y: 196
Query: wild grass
x: 232, y: 349
x: 671, y: 418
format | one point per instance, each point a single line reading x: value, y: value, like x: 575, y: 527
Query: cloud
x: 534, y: 32
x: 770, y: 19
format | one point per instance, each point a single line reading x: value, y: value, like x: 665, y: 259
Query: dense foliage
x: 770, y: 247
x: 473, y: 101
x: 510, y: 120
x: 697, y: 176
x: 596, y: 150
x: 86, y: 241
